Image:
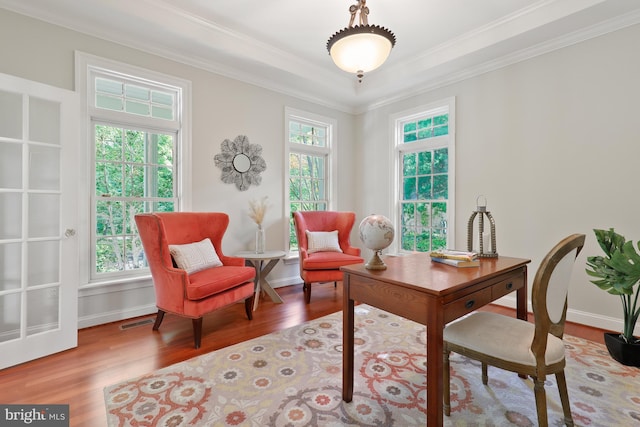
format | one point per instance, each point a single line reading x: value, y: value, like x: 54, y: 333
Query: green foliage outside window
x: 306, y: 187
x: 425, y: 191
x: 134, y: 173
x: 307, y: 172
x: 307, y: 134
x: 426, y: 128
x: 424, y: 226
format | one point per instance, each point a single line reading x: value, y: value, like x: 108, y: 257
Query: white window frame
x: 329, y: 152
x: 86, y: 66
x: 398, y: 147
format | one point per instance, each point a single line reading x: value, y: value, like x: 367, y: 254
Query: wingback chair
x: 534, y: 349
x: 324, y: 246
x: 191, y: 276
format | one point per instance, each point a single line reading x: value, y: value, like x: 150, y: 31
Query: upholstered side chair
x: 191, y: 275
x: 533, y: 349
x: 324, y: 246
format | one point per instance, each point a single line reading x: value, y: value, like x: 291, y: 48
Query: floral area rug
x: 294, y: 378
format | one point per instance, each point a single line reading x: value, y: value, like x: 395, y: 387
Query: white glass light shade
x: 361, y: 48
x: 362, y: 52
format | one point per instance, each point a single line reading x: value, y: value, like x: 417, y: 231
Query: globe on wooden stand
x: 376, y: 233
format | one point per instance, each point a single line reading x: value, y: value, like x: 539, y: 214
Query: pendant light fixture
x: 361, y: 48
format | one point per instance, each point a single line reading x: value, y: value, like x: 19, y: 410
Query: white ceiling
x: 281, y: 44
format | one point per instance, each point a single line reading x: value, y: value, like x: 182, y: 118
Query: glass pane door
x: 38, y: 255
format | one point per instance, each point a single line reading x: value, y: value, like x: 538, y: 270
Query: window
x: 311, y: 165
x: 134, y: 172
x: 425, y: 178
x: 137, y: 148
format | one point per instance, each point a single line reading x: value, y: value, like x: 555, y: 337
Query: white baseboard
x: 577, y: 316
x: 286, y: 281
x: 143, y: 310
x: 115, y: 316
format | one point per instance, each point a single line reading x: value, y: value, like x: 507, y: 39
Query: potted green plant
x: 618, y: 273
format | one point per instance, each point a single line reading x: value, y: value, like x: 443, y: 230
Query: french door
x: 38, y: 218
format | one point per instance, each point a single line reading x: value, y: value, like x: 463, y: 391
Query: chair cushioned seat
x: 215, y: 280
x: 504, y: 337
x: 329, y: 260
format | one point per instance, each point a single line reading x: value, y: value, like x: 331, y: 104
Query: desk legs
x: 521, y: 301
x: 435, y: 344
x: 261, y: 282
x: 347, y: 343
x: 435, y: 364
x: 521, y: 306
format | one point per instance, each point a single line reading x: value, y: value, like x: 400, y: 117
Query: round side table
x: 263, y: 263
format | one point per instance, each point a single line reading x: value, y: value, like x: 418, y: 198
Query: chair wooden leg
x: 159, y: 318
x: 197, y: 331
x: 564, y: 398
x: 248, y: 306
x: 446, y: 387
x: 541, y: 401
x: 306, y: 287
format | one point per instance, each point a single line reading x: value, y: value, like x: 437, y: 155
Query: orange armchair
x: 203, y: 287
x: 321, y: 263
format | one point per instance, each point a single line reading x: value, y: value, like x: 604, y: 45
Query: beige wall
x: 552, y: 142
x: 222, y: 108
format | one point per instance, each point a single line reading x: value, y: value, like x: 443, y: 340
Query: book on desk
x: 457, y: 262
x: 456, y: 258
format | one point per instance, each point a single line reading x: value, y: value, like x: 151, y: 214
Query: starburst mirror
x: 241, y: 162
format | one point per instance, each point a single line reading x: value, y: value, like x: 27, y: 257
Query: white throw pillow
x: 322, y: 241
x: 194, y: 257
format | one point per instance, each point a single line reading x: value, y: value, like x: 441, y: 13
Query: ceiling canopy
x: 281, y: 45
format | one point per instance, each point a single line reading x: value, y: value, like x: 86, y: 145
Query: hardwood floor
x: 107, y: 354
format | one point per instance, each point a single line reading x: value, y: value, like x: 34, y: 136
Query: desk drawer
x: 506, y: 286
x: 467, y: 304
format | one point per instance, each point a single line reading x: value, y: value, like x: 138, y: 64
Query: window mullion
x: 138, y: 163
x: 422, y: 196
x: 310, y: 142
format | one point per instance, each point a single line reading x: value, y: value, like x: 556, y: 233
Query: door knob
x: 69, y: 232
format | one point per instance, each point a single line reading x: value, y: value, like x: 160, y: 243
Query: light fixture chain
x: 361, y: 48
x: 361, y: 8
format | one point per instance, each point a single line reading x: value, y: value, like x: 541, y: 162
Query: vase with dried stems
x: 257, y: 211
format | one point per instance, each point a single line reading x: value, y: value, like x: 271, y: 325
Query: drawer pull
x: 509, y: 285
x: 469, y: 303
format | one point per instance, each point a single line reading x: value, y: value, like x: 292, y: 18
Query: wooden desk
x: 432, y: 294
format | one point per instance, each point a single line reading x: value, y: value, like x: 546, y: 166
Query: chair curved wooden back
x: 550, y: 291
x: 324, y: 266
x: 534, y: 349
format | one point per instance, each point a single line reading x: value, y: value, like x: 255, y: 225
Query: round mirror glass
x: 241, y: 163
